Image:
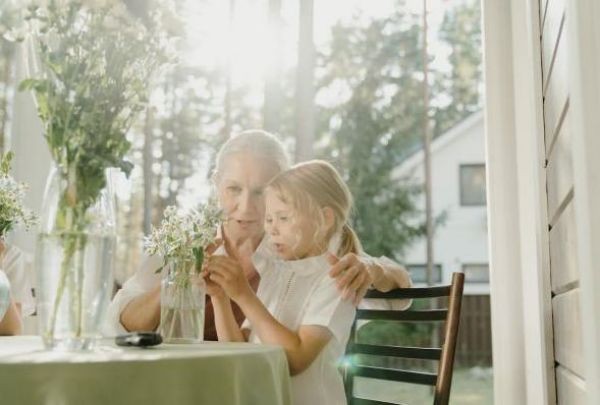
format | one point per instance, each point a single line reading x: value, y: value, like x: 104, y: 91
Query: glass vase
x: 74, y: 265
x: 182, y: 299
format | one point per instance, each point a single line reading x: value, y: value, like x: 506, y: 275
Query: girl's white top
x: 301, y: 293
x: 17, y: 283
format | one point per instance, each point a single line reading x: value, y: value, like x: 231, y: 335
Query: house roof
x: 417, y: 156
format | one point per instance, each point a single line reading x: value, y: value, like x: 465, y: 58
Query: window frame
x: 461, y: 193
x: 463, y: 269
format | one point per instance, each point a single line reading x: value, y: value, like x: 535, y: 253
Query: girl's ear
x: 329, y: 216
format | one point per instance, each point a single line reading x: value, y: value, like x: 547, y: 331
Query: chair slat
x: 381, y: 373
x: 445, y: 355
x: 364, y: 401
x: 395, y: 351
x: 390, y: 315
x: 404, y: 293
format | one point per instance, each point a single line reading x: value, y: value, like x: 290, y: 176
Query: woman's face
x: 240, y: 188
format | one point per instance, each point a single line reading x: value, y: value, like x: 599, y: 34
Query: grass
x: 470, y: 386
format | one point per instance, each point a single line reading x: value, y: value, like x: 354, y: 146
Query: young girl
x: 297, y: 305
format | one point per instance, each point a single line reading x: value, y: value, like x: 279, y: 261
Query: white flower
x: 183, y: 235
x: 12, y: 193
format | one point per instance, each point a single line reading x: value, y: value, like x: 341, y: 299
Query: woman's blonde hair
x: 255, y: 142
x: 311, y: 186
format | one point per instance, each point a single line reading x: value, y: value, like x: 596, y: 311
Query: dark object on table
x: 139, y: 339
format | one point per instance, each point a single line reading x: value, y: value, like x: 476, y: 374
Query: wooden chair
x: 445, y: 355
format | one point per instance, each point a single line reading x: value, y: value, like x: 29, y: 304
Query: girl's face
x: 293, y: 235
x: 240, y: 188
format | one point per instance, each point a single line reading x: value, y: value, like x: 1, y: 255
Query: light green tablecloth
x: 206, y: 373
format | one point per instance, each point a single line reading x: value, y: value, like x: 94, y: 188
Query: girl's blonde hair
x: 255, y: 142
x: 311, y: 186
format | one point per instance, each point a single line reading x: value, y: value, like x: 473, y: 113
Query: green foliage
x: 11, y: 199
x: 461, y: 31
x: 375, y: 70
x: 181, y: 127
x: 371, y: 131
x: 95, y: 68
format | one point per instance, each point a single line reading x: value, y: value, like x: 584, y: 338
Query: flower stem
x: 70, y: 244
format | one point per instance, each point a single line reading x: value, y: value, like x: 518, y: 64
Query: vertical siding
x: 570, y: 379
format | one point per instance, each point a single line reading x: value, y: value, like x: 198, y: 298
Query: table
x: 200, y: 374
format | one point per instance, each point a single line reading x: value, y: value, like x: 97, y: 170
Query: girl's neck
x: 317, y: 250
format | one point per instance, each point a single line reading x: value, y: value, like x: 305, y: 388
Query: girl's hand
x: 212, y: 288
x: 352, y: 275
x: 228, y: 274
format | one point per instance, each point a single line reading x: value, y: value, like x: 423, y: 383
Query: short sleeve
x: 144, y: 280
x: 327, y: 308
x: 4, y: 294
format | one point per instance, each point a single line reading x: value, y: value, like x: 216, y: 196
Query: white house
x: 458, y: 193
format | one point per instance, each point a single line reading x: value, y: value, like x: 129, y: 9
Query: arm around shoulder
x: 388, y: 275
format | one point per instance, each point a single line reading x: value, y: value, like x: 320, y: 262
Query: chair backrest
x: 441, y: 380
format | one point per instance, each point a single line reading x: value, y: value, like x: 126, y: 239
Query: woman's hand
x: 352, y: 274
x: 212, y: 288
x: 227, y: 274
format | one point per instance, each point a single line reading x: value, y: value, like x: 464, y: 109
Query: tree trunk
x: 273, y: 74
x: 305, y: 83
x: 147, y: 166
x: 228, y: 88
x: 4, y: 102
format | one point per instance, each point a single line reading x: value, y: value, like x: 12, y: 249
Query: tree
x: 460, y: 87
x: 378, y: 69
x: 8, y: 20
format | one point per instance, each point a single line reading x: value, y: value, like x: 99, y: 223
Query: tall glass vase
x: 74, y: 265
x: 182, y: 300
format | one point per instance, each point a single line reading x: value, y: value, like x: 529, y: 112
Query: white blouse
x: 300, y: 292
x: 14, y: 267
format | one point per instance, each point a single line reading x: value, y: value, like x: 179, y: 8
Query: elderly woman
x: 245, y: 164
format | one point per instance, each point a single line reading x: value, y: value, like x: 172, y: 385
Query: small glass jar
x: 182, y: 302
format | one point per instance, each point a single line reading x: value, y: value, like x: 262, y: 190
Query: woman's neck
x: 236, y: 241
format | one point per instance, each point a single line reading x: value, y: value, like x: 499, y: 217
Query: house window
x: 472, y: 184
x: 418, y: 273
x: 476, y: 273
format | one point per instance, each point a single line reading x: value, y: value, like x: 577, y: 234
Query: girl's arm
x: 228, y: 329
x: 301, y: 348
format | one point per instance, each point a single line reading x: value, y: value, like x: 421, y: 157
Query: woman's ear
x: 329, y: 216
